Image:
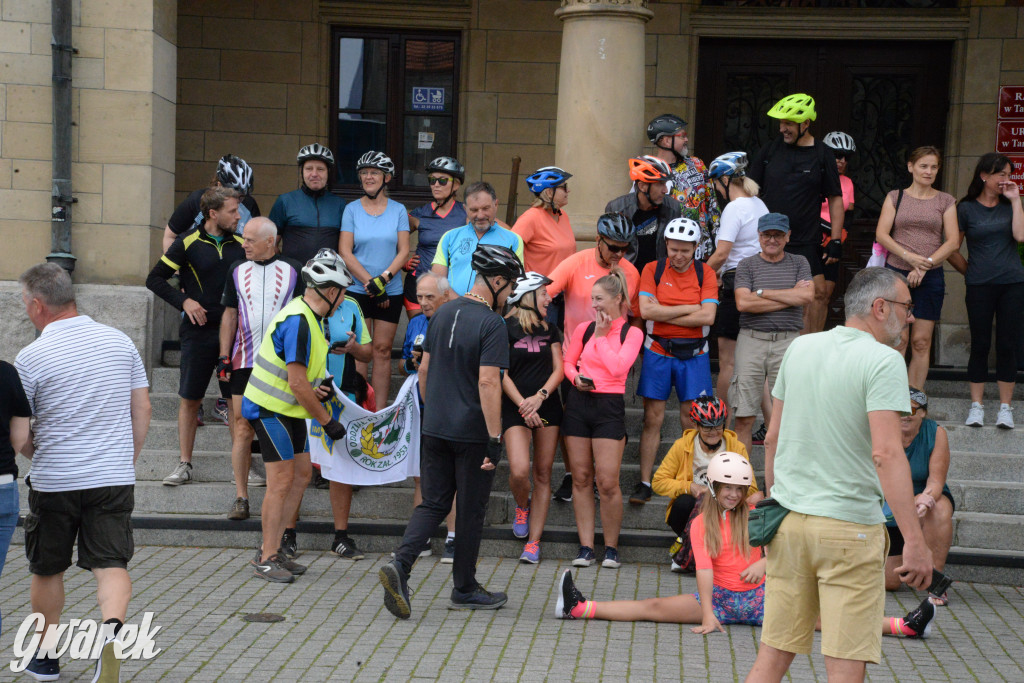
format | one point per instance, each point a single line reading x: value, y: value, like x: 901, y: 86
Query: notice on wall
x: 1011, y: 103
x: 1018, y: 168
x: 425, y: 140
x: 1010, y: 137
x: 427, y: 99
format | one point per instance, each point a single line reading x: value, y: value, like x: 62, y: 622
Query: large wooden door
x: 890, y: 96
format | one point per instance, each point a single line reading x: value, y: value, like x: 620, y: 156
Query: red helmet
x: 708, y: 411
x: 648, y: 169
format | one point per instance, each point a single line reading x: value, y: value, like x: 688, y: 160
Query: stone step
x: 1002, y: 467
x: 989, y: 531
x: 987, y: 439
x: 989, y: 496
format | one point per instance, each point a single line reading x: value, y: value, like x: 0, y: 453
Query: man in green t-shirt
x: 833, y: 449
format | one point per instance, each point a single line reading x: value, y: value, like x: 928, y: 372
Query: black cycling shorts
x: 594, y: 416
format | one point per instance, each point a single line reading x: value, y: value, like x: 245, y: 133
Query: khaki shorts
x: 758, y: 357
x: 819, y: 565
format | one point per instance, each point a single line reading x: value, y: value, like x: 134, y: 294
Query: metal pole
x: 60, y: 217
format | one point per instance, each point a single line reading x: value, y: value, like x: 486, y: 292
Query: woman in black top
x: 14, y: 436
x: 992, y: 220
x: 530, y: 408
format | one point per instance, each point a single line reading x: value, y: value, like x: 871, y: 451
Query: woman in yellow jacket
x: 681, y: 475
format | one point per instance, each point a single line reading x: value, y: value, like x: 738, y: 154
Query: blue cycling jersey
x: 307, y: 221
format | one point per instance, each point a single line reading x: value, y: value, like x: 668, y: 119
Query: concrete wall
x: 123, y: 141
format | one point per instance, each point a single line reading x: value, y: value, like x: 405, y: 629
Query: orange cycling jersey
x: 728, y: 564
x: 576, y: 276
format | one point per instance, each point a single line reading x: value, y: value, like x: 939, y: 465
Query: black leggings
x: 679, y: 513
x: 1005, y: 303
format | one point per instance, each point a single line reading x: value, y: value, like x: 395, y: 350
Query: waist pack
x: 727, y: 283
x: 683, y: 349
x: 764, y: 520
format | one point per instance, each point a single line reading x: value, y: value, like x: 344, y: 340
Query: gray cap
x: 773, y: 221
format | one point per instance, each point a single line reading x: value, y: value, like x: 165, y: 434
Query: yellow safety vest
x: 268, y: 383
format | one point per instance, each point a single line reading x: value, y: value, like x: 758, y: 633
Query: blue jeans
x: 8, y: 520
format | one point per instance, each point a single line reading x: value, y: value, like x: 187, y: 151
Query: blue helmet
x: 729, y: 164
x: 548, y: 176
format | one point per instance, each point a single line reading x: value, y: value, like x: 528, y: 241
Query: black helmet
x: 666, y: 124
x: 233, y: 172
x: 449, y: 165
x: 616, y: 227
x: 491, y: 259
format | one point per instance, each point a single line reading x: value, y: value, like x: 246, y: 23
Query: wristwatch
x: 388, y: 274
x: 543, y: 392
x: 760, y: 292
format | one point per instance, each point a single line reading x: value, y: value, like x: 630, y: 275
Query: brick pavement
x: 336, y: 628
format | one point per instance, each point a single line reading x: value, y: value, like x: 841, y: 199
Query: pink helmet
x: 729, y: 468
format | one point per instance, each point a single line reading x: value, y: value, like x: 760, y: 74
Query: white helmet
x: 530, y: 282
x: 233, y: 172
x: 684, y: 229
x: 315, y: 151
x: 326, y: 269
x: 840, y: 142
x: 378, y: 160
x: 729, y: 468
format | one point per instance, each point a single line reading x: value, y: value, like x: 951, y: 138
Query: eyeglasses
x: 772, y: 237
x: 615, y: 249
x: 910, y: 305
x: 715, y: 428
x: 434, y: 180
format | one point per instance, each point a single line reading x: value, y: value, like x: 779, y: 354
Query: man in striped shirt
x: 771, y: 291
x: 87, y: 388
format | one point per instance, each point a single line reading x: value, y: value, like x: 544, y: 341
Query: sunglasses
x: 434, y: 180
x: 614, y: 249
x: 914, y: 410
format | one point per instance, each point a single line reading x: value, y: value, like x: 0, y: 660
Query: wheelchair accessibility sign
x: 427, y: 99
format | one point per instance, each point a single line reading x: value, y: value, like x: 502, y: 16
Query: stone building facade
x: 162, y: 89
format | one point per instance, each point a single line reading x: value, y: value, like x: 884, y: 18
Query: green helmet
x: 798, y: 108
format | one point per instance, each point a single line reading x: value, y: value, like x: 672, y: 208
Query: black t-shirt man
x: 794, y: 180
x: 13, y: 403
x: 646, y: 222
x: 463, y: 336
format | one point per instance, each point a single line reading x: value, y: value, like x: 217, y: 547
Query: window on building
x: 396, y: 93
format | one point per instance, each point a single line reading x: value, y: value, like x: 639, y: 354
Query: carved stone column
x: 600, y: 101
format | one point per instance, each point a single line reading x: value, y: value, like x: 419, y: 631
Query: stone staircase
x: 986, y: 476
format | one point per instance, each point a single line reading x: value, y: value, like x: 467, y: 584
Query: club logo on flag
x: 379, y: 442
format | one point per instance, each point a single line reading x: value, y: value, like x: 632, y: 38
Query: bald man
x: 271, y: 281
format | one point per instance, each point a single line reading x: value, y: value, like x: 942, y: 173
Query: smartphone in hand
x: 586, y: 381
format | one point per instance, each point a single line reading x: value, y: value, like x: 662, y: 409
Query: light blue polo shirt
x: 455, y: 252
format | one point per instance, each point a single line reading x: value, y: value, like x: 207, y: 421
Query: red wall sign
x: 1010, y: 137
x: 1011, y: 102
x: 1018, y: 169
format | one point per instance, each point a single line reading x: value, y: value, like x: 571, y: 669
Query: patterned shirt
x: 694, y: 190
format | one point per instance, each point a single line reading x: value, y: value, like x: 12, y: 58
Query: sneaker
x: 43, y: 668
x: 289, y: 544
x: 677, y: 569
x: 531, y: 553
x: 396, y: 589
x: 290, y: 565
x: 478, y: 598
x: 757, y: 438
x: 1004, y: 419
x: 199, y: 417
x: 641, y: 494
x: 220, y: 411
x: 976, y: 415
x: 427, y: 551
x: 346, y: 548
x: 271, y: 570
x: 239, y: 509
x: 448, y: 556
x: 256, y: 480
x: 182, y: 474
x: 674, y: 548
x: 920, y: 620
x: 108, y: 666
x: 521, y: 524
x: 568, y: 596
x: 318, y: 481
x: 611, y: 558
x: 585, y: 557
x: 564, y: 492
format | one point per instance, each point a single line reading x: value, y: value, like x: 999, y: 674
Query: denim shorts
x: 928, y: 295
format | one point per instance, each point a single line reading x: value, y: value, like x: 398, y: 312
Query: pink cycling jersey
x: 605, y: 359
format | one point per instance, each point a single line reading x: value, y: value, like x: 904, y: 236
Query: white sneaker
x: 256, y: 480
x: 182, y: 474
x: 1004, y: 419
x: 976, y: 416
